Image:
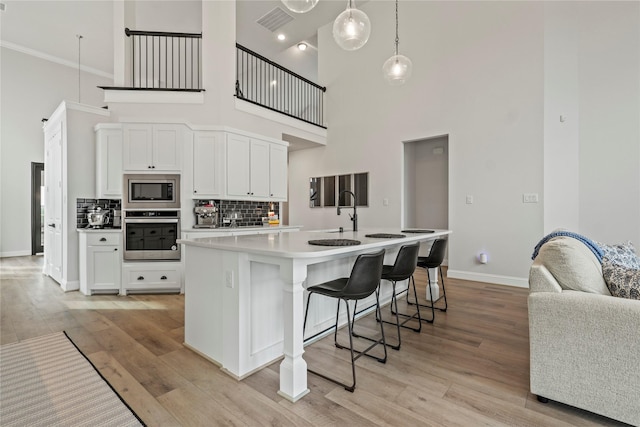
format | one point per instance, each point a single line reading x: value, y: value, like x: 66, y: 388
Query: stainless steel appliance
x: 151, y: 191
x: 116, y: 218
x: 206, y: 215
x: 97, y: 217
x: 151, y: 235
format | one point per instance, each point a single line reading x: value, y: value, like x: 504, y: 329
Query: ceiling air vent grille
x: 275, y: 19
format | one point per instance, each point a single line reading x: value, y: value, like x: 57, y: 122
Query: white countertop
x: 99, y: 230
x: 295, y: 245
x: 250, y: 228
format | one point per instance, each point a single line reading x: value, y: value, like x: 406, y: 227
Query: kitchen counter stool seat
x: 433, y: 260
x: 402, y: 269
x: 363, y: 281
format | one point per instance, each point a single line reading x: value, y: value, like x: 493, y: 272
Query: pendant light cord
x: 397, y: 38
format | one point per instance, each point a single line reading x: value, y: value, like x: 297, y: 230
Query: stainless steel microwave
x: 151, y: 191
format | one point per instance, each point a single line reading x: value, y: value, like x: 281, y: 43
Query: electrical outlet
x: 228, y: 278
x: 530, y: 198
x: 469, y: 200
x: 385, y: 202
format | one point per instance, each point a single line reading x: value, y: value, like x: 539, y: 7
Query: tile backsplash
x: 83, y: 204
x: 251, y: 212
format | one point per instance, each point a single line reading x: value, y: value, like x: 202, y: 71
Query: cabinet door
x: 138, y: 147
x: 103, y: 268
x: 208, y: 164
x: 238, y: 167
x: 259, y: 169
x: 167, y: 147
x: 278, y: 172
x: 109, y: 163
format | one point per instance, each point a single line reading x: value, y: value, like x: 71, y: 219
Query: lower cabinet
x: 100, y: 261
x: 151, y: 277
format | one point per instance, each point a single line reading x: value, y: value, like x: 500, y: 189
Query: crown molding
x: 55, y: 59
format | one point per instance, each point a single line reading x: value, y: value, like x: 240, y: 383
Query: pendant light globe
x: 352, y: 28
x: 397, y: 70
x: 300, y: 6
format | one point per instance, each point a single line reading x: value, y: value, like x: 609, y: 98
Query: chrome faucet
x: 353, y: 217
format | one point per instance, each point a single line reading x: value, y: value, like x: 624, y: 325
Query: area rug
x: 47, y: 381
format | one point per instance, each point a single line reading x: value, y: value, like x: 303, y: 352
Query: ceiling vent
x: 275, y: 19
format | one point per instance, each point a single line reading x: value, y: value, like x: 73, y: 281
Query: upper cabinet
x: 208, y: 164
x: 108, y: 161
x: 256, y: 169
x: 153, y: 147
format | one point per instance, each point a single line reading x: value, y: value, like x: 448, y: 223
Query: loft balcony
x: 166, y: 67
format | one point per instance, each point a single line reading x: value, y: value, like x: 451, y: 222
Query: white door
x: 138, y: 147
x: 53, y: 205
x: 207, y: 150
x: 278, y: 172
x: 167, y: 146
x: 238, y: 168
x: 259, y: 169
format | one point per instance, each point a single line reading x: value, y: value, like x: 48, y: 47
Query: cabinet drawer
x: 101, y: 239
x: 152, y: 279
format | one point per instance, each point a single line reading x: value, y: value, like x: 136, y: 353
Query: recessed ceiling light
x: 281, y: 37
x: 302, y: 46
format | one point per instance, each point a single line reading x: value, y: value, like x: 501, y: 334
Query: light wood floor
x: 469, y: 368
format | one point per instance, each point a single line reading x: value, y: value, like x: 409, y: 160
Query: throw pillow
x: 622, y: 282
x: 623, y: 254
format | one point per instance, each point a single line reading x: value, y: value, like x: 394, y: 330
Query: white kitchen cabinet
x: 100, y: 261
x: 277, y: 172
x: 151, y: 277
x: 250, y: 172
x: 208, y: 165
x: 108, y: 161
x: 69, y: 175
x: 153, y: 147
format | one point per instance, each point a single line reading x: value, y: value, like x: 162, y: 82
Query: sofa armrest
x: 585, y: 351
x: 541, y: 279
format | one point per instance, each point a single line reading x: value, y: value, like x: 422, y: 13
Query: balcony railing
x: 165, y: 61
x: 270, y: 85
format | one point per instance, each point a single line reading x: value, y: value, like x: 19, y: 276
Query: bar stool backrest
x: 405, y: 263
x: 436, y: 255
x: 365, y: 276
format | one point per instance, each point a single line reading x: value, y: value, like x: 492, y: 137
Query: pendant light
x: 352, y: 28
x: 300, y: 6
x: 397, y: 69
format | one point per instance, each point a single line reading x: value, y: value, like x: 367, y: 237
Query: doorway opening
x: 37, y: 208
x: 426, y: 183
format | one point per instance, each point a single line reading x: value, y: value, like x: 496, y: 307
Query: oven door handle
x: 151, y: 220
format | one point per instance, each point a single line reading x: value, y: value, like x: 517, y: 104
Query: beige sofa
x: 584, y: 343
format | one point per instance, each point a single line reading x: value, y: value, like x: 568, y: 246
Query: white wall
x: 609, y: 126
x: 494, y: 76
x: 31, y: 90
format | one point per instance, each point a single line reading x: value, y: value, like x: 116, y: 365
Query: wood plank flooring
x: 469, y: 368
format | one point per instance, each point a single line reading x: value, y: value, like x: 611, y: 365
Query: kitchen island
x: 244, y: 304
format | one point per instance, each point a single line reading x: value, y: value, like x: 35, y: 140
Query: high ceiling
x: 51, y: 26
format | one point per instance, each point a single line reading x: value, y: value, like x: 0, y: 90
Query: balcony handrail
x: 280, y: 67
x: 129, y: 33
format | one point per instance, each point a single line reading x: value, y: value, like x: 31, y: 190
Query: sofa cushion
x: 573, y: 265
x: 623, y: 282
x: 623, y: 254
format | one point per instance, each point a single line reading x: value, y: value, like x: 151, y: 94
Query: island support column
x: 293, y: 369
x: 433, y: 285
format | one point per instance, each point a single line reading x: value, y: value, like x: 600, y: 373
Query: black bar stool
x: 403, y: 269
x: 363, y: 281
x: 433, y: 260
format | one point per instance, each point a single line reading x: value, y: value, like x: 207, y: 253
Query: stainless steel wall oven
x: 150, y: 235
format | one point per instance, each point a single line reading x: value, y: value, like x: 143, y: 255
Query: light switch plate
x: 469, y: 200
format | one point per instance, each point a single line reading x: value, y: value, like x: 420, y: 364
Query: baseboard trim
x: 14, y: 253
x: 518, y: 282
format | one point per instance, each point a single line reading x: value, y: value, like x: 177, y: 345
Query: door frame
x: 37, y: 242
